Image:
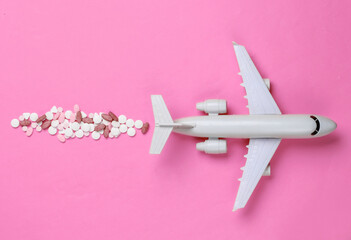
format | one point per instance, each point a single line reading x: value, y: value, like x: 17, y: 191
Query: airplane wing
x: 259, y: 98
x: 260, y: 153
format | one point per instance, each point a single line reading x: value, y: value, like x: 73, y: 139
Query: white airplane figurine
x: 265, y: 126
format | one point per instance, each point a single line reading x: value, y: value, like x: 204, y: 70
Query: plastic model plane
x: 265, y: 126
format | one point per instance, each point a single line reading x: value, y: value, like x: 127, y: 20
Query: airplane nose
x: 327, y: 126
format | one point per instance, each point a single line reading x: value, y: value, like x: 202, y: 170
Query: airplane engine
x: 212, y: 146
x: 213, y: 106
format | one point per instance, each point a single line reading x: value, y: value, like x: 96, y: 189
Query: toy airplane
x: 265, y: 126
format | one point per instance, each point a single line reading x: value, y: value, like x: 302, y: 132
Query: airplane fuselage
x: 256, y: 126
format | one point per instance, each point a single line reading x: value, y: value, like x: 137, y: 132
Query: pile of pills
x: 70, y: 124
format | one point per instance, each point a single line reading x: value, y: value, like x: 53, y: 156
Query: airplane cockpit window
x: 318, y: 125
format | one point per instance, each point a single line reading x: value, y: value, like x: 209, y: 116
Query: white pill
x: 73, y: 135
x: 49, y: 115
x: 14, y: 123
x: 75, y: 126
x: 52, y: 130
x: 85, y: 127
x: 95, y: 135
x: 40, y: 123
x: 92, y: 127
x: 55, y: 123
x: 34, y: 125
x: 115, y: 132
x: 68, y: 132
x: 68, y: 114
x: 38, y: 128
x: 138, y: 124
x: 24, y: 128
x: 84, y: 115
x: 26, y: 115
x: 97, y: 119
x: 79, y: 133
x: 105, y: 122
x: 33, y: 117
x: 131, y: 132
x: 110, y: 135
x: 130, y: 123
x: 123, y: 128
x: 60, y: 109
x: 122, y: 119
x: 115, y: 124
x: 54, y: 109
x: 86, y: 134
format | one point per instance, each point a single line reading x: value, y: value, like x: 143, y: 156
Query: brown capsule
x: 106, y: 132
x: 41, y: 118
x: 145, y: 128
x: 87, y: 120
x: 106, y: 117
x: 46, y: 124
x: 113, y: 116
x: 79, y: 117
x: 100, y: 127
x: 25, y: 122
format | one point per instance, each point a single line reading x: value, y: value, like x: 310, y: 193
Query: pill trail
x: 70, y: 124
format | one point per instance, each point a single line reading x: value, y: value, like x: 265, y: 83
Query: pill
x: 97, y: 119
x: 105, y: 122
x: 14, y: 123
x: 68, y: 132
x: 72, y: 118
x: 79, y: 133
x: 115, y: 124
x: 55, y: 123
x: 73, y: 135
x: 92, y: 126
x: 106, y: 117
x: 113, y: 116
x: 40, y: 123
x: 65, y: 124
x: 61, y: 138
x: 76, y: 108
x: 109, y: 126
x: 25, y: 122
x: 88, y: 120
x: 56, y: 116
x: 68, y: 114
x: 49, y: 115
x: 110, y: 135
x: 54, y: 109
x: 21, y: 118
x: 106, y: 132
x: 95, y: 135
x: 85, y: 127
x: 131, y: 132
x: 29, y: 132
x: 33, y: 117
x: 60, y: 109
x: 34, y: 125
x: 79, y: 116
x: 115, y: 132
x: 123, y: 128
x: 41, y: 118
x: 38, y: 128
x: 52, y: 130
x: 130, y: 123
x: 138, y: 124
x: 24, y: 128
x: 26, y: 115
x: 46, y: 124
x: 91, y: 115
x: 83, y: 114
x: 86, y: 134
x: 99, y: 127
x: 145, y: 128
x: 60, y: 127
x: 75, y: 126
x: 122, y: 119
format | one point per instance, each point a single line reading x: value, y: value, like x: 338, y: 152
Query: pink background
x: 111, y: 55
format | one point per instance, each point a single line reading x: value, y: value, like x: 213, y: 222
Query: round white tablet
x: 68, y: 114
x: 115, y: 124
x: 115, y: 132
x: 130, y: 123
x: 54, y: 109
x: 55, y: 123
x: 26, y: 115
x: 122, y: 119
x: 97, y: 119
x: 95, y: 135
x: 33, y: 117
x: 123, y: 128
x: 92, y: 127
x: 75, y: 126
x: 14, y: 123
x: 24, y: 128
x: 79, y: 133
x: 49, y: 115
x: 52, y: 130
x: 105, y: 122
x: 68, y: 132
x: 110, y: 135
x: 138, y: 124
x: 131, y: 132
x: 86, y: 127
x: 34, y: 125
x: 38, y: 128
x: 86, y: 134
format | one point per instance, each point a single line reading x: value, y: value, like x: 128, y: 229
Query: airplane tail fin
x: 163, y: 124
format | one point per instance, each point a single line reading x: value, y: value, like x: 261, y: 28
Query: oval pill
x: 15, y: 123
x: 29, y: 132
x: 76, y: 108
x: 61, y: 138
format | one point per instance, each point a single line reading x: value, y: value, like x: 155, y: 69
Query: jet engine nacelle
x: 213, y: 106
x: 212, y: 146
